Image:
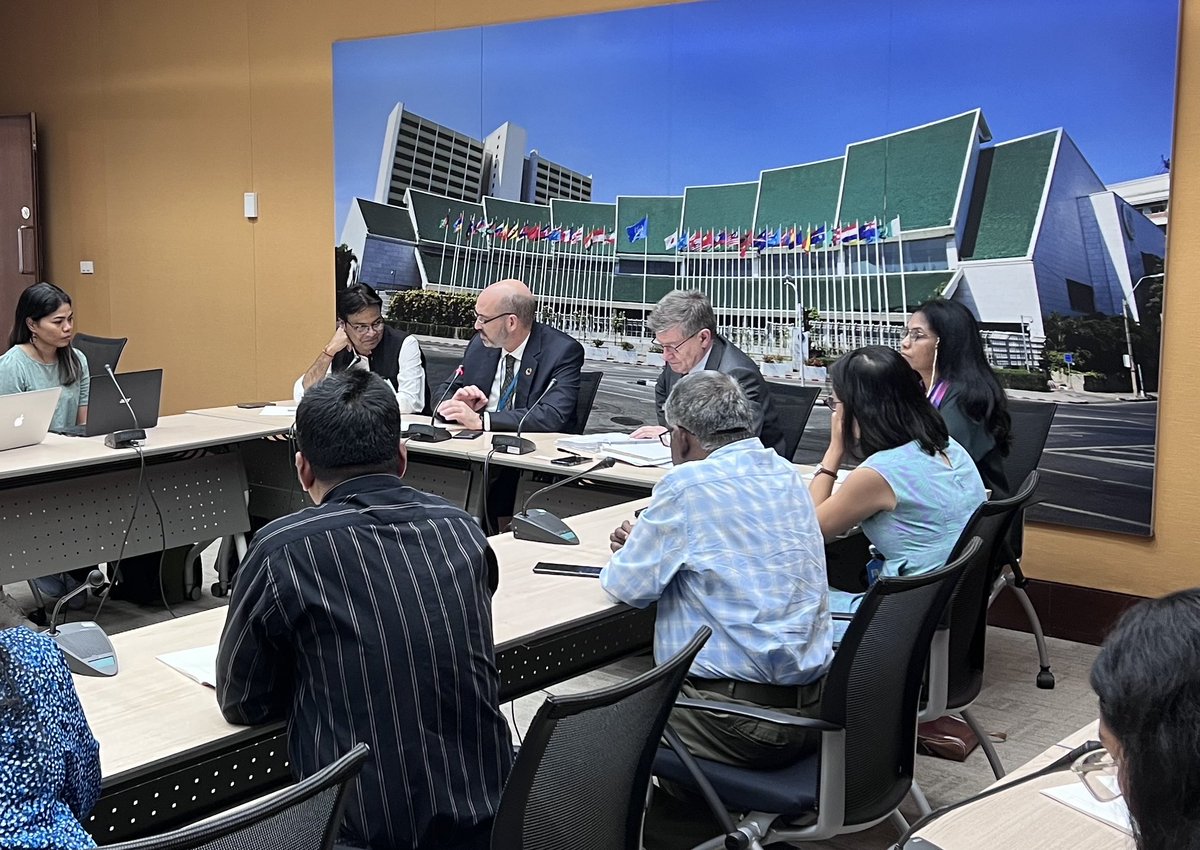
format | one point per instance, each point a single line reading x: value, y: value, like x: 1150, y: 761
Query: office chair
x: 99, y: 351
x: 589, y: 383
x: 580, y: 778
x: 305, y: 816
x: 1031, y: 421
x: 958, y: 650
x: 864, y: 767
x: 794, y: 405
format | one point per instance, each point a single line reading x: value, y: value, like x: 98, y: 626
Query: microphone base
x: 512, y: 445
x: 542, y: 527
x: 426, y: 433
x: 88, y: 650
x: 126, y: 439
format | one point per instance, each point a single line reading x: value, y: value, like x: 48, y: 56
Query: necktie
x: 507, y: 390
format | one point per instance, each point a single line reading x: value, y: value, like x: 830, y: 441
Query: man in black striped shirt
x: 368, y: 618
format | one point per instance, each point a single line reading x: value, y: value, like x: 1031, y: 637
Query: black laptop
x: 108, y: 413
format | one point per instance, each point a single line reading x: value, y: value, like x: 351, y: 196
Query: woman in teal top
x: 41, y: 356
x: 914, y: 489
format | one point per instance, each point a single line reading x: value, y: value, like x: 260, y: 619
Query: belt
x: 772, y: 696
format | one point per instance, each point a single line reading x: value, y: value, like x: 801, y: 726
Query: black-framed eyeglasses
x: 483, y: 320
x: 376, y: 325
x: 1097, y: 770
x: 831, y: 402
x: 665, y: 436
x: 674, y: 349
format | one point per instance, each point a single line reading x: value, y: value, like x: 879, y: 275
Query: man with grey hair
x: 684, y: 324
x: 730, y: 540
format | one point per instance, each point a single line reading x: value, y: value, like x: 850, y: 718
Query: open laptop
x: 107, y: 413
x: 25, y: 417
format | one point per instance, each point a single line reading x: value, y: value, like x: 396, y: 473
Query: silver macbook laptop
x: 25, y: 417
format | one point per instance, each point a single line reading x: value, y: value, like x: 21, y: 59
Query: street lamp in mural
x: 1135, y: 372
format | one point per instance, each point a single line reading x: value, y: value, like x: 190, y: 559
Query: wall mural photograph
x: 819, y: 173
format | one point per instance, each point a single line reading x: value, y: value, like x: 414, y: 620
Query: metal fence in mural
x: 845, y: 286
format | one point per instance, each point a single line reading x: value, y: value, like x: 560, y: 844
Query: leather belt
x: 772, y: 696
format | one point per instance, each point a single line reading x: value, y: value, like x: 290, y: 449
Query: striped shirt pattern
x: 368, y: 618
x: 732, y: 542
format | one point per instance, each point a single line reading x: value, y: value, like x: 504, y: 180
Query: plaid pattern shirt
x: 732, y: 542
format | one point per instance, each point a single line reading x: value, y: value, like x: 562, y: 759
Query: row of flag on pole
x: 518, y: 232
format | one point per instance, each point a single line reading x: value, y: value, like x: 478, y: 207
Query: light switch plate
x: 87, y: 267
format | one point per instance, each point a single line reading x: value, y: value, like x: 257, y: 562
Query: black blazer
x: 549, y: 354
x: 728, y: 358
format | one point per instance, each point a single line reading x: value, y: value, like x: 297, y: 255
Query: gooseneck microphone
x: 543, y: 526
x: 431, y: 433
x: 123, y: 439
x: 518, y: 445
x: 1061, y: 763
x: 87, y: 648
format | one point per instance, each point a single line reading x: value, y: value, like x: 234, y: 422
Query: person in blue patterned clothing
x: 49, y: 761
x: 730, y: 540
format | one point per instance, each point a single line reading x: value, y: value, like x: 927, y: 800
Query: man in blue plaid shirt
x: 730, y: 541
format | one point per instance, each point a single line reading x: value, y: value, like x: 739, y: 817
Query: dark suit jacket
x: 728, y: 358
x: 549, y: 354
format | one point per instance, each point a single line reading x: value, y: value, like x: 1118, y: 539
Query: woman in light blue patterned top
x: 41, y: 356
x: 49, y: 761
x: 914, y: 490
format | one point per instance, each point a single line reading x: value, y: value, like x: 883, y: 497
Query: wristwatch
x: 823, y: 471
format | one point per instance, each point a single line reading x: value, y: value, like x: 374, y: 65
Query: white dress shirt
x: 410, y: 379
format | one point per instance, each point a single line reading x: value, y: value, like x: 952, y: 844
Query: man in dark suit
x: 510, y: 363
x: 684, y: 325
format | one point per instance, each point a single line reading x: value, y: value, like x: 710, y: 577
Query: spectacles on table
x: 1097, y: 770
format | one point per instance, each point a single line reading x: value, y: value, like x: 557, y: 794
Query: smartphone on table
x: 566, y: 569
x: 569, y: 460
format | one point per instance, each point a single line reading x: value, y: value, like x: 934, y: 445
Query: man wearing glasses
x: 509, y: 364
x: 684, y: 324
x: 363, y: 341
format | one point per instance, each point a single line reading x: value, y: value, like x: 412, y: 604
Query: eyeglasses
x: 915, y: 334
x: 665, y: 436
x: 483, y: 320
x: 376, y: 325
x: 831, y: 402
x: 674, y: 349
x: 1098, y: 772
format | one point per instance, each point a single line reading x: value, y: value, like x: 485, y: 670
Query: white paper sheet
x: 1114, y: 813
x: 199, y: 664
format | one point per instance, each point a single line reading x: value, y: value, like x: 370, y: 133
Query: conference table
x: 1024, y: 817
x: 67, y: 501
x: 168, y: 757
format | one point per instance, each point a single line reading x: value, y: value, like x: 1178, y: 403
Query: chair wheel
x: 219, y: 590
x: 1045, y: 679
x: 194, y: 593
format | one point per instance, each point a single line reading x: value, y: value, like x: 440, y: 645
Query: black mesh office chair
x: 1031, y: 421
x: 959, y: 648
x: 305, y: 816
x: 589, y: 383
x: 580, y: 778
x: 864, y: 768
x: 794, y: 405
x: 100, y: 351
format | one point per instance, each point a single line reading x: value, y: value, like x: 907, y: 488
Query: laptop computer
x: 106, y: 411
x: 25, y: 417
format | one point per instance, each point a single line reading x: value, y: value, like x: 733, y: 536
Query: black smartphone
x: 252, y: 405
x: 569, y: 460
x: 566, y: 570
x: 466, y: 435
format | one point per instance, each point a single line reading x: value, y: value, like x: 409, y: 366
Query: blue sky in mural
x: 653, y: 100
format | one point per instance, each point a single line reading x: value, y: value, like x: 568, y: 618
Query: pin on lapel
x: 528, y: 371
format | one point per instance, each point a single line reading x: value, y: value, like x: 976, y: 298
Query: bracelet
x: 823, y: 471
x: 325, y: 351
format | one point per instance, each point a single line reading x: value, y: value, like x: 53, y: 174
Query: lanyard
x: 507, y: 394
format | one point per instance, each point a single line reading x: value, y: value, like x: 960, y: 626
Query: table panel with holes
x: 169, y: 758
x: 67, y: 501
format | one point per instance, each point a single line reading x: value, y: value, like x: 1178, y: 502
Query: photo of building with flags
x: 1016, y: 229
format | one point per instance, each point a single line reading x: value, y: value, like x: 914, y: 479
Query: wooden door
x: 20, y: 229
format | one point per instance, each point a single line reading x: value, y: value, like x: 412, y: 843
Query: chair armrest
x: 755, y: 713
